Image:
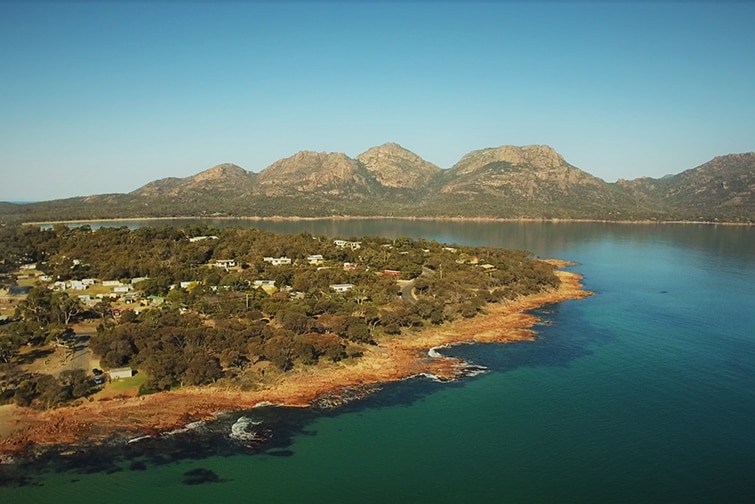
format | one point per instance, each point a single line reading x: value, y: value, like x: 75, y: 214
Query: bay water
x: 644, y: 392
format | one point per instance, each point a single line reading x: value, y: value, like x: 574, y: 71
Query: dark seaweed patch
x: 279, y: 453
x: 200, y: 476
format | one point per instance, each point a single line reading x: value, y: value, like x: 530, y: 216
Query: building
x: 391, y: 272
x: 277, y: 261
x: 347, y: 244
x: 78, y: 285
x: 315, y: 259
x: 224, y: 263
x: 341, y: 287
x: 118, y: 373
x: 200, y: 238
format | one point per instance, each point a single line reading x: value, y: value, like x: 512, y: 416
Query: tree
x: 358, y: 331
x: 203, y: 369
x: 65, y: 308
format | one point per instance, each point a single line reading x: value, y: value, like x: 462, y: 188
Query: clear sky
x: 105, y: 97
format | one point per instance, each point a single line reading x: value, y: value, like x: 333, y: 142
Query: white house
x: 77, y: 285
x: 347, y: 244
x: 111, y: 283
x: 277, y: 261
x: 224, y: 263
x: 118, y: 373
x: 31, y: 266
x: 121, y: 288
x: 341, y: 287
x: 200, y: 238
x: 88, y: 281
x: 315, y: 259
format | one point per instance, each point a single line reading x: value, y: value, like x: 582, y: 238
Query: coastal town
x: 166, y: 311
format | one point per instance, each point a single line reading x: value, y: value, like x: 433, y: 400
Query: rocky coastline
x: 82, y: 428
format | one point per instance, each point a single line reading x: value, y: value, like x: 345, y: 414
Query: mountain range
x: 505, y: 182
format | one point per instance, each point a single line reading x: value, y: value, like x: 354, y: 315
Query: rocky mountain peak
x: 535, y: 156
x: 308, y: 171
x: 395, y: 166
x: 224, y: 171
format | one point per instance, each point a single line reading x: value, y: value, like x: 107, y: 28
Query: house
x: 277, y: 261
x: 77, y: 285
x: 341, y: 287
x: 118, y: 373
x: 315, y: 259
x: 86, y: 298
x: 88, y: 281
x: 31, y: 266
x: 136, y: 280
x: 266, y: 285
x: 347, y: 244
x: 224, y: 263
x: 200, y: 238
x: 59, y: 286
x: 348, y: 266
x: 121, y: 289
x: 156, y: 300
x: 186, y: 285
x: 392, y: 272
x: 111, y: 283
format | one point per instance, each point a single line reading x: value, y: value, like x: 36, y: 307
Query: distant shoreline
x: 278, y: 218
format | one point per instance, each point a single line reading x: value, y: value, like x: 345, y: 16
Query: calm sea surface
x: 643, y: 393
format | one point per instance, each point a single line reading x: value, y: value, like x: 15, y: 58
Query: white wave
x: 241, y: 430
x: 262, y: 404
x: 435, y: 354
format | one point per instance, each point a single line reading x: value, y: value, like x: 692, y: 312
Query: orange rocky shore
x: 391, y: 360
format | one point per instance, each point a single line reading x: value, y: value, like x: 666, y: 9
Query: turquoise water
x: 644, y: 392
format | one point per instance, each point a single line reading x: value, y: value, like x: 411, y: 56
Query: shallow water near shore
x: 644, y: 392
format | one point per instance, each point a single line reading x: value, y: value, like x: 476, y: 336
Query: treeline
x: 224, y: 327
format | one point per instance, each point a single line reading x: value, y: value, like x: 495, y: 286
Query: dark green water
x: 644, y: 392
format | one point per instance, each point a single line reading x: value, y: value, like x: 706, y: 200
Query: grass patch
x: 125, y: 387
x: 124, y: 384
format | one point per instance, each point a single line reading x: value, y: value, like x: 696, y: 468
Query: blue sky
x: 98, y: 98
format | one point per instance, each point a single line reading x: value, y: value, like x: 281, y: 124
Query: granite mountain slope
x: 504, y: 182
